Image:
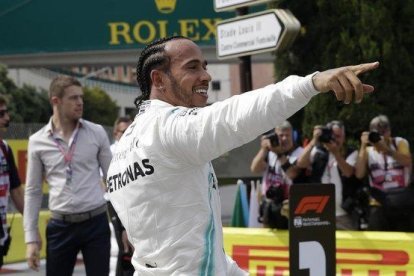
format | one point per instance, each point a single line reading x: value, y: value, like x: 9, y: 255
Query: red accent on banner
x: 377, y: 273
x: 279, y: 271
x: 261, y: 270
x: 386, y: 257
x: 242, y: 255
x: 311, y: 203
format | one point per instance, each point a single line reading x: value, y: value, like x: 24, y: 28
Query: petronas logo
x: 165, y: 6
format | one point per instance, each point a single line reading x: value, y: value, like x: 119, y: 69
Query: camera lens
x: 274, y: 140
x: 374, y: 137
x: 326, y: 135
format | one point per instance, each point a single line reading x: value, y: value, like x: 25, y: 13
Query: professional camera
x: 275, y: 193
x: 358, y: 206
x: 270, y: 209
x: 374, y: 137
x: 326, y: 135
x: 274, y: 140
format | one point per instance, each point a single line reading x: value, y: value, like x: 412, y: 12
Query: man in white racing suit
x: 161, y: 181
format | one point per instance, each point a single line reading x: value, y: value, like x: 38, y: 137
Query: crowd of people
x: 161, y: 188
x: 372, y: 183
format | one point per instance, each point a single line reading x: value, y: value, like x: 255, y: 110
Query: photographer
x: 387, y: 161
x: 329, y: 160
x: 276, y: 160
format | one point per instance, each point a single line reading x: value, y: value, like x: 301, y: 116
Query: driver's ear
x: 157, y: 78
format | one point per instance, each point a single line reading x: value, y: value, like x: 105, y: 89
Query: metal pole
x: 245, y: 66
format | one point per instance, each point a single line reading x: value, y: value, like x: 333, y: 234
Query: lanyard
x: 68, y: 156
x: 385, y: 162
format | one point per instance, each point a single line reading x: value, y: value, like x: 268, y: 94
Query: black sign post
x: 312, y: 246
x: 245, y: 66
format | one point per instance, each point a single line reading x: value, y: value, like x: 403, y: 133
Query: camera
x: 326, y: 135
x: 374, y: 137
x: 274, y: 140
x: 276, y: 193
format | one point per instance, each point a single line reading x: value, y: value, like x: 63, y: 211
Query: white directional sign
x: 256, y: 33
x: 224, y: 5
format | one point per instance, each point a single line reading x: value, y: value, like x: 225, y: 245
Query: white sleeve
x: 233, y: 269
x: 200, y: 135
x: 33, y: 193
x: 295, y: 155
x: 313, y: 153
x: 352, y: 158
x: 105, y: 154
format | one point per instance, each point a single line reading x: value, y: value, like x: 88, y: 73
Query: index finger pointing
x: 364, y: 67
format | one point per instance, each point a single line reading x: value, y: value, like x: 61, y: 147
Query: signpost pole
x: 245, y: 66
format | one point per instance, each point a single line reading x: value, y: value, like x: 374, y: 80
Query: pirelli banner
x: 265, y: 252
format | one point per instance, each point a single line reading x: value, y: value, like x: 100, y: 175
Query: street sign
x: 225, y: 5
x: 256, y: 33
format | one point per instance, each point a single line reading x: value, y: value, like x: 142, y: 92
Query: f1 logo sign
x: 311, y: 203
x: 312, y: 230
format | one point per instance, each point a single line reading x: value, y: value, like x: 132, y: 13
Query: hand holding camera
x: 272, y: 143
x: 374, y: 137
x: 322, y: 134
x: 364, y: 139
x: 274, y: 140
x: 326, y: 135
x: 284, y: 211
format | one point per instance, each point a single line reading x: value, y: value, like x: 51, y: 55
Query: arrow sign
x: 224, y: 5
x: 256, y: 33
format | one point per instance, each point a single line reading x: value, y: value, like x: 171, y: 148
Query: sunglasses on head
x: 3, y: 112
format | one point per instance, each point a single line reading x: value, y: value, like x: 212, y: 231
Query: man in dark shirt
x: 9, y: 182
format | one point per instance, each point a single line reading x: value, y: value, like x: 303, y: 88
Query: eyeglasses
x: 3, y: 112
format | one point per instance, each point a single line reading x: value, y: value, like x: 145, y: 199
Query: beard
x: 180, y: 95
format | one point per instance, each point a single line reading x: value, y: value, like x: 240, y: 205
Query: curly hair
x: 152, y: 57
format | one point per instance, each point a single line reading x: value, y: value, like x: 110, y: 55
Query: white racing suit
x: 163, y: 186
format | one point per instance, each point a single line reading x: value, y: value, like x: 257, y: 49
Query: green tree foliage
x: 336, y: 33
x: 29, y: 105
x: 99, y: 107
x: 26, y: 104
x: 6, y: 84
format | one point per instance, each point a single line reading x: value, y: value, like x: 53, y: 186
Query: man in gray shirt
x: 68, y: 153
